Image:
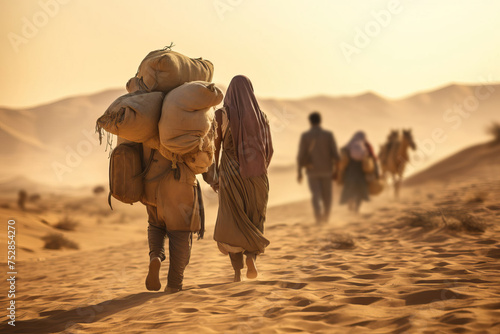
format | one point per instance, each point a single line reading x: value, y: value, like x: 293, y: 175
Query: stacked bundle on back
x: 163, y: 70
x: 180, y: 125
x: 134, y: 117
x: 186, y: 124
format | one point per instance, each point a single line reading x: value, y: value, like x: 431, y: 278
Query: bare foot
x: 170, y: 290
x: 237, y: 276
x: 153, y: 279
x: 252, y: 269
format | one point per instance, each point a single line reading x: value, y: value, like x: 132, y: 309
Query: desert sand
x: 426, y: 263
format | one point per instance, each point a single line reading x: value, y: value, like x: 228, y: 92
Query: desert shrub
x: 494, y: 130
x: 21, y: 199
x: 450, y: 219
x: 476, y: 198
x: 34, y: 197
x: 66, y: 224
x: 58, y: 241
x: 339, y: 241
x: 98, y: 190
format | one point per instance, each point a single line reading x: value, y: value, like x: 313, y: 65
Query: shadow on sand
x: 61, y: 320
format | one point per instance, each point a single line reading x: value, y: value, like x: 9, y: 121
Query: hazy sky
x: 54, y: 48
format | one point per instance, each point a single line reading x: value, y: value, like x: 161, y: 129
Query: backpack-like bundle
x: 126, y: 173
x: 135, y: 117
x: 164, y: 70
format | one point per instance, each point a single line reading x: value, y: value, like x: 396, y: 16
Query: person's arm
x: 301, y: 157
x: 211, y: 177
x: 218, y: 139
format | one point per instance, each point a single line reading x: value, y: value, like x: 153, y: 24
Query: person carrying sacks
x: 140, y: 173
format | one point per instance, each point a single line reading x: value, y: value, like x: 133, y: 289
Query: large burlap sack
x: 187, y: 117
x: 164, y: 70
x: 133, y: 116
x: 177, y: 201
x: 200, y: 161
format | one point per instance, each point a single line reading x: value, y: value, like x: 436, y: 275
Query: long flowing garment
x: 355, y: 184
x: 242, y: 203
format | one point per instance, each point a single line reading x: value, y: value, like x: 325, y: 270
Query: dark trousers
x: 237, y: 259
x: 321, y: 189
x: 179, y: 249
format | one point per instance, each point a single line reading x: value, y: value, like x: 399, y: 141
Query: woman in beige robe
x: 244, y: 146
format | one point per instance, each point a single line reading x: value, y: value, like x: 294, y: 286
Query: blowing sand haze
x: 249, y: 167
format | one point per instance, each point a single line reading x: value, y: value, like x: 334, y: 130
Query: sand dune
x: 52, y: 133
x: 425, y: 264
x: 476, y: 162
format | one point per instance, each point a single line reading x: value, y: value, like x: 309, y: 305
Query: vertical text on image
x: 11, y: 271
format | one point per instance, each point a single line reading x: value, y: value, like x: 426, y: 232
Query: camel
x: 394, y: 156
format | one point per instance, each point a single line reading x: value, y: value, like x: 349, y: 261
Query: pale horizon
x: 293, y: 51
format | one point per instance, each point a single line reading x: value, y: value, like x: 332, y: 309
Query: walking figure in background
x: 21, y: 200
x: 244, y: 136
x: 319, y: 155
x: 396, y: 157
x: 357, y: 161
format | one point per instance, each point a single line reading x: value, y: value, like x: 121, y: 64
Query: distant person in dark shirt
x: 318, y: 154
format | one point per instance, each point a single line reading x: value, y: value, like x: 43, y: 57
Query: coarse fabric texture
x: 321, y: 189
x: 187, y: 117
x: 355, y: 184
x: 133, y: 116
x: 186, y: 126
x: 125, y: 173
x: 159, y: 166
x: 318, y: 152
x: 249, y: 127
x: 179, y: 248
x: 178, y: 202
x: 357, y: 146
x: 164, y: 70
x: 242, y: 204
x: 135, y: 84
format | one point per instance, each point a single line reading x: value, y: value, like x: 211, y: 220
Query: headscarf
x: 249, y: 127
x: 357, y: 146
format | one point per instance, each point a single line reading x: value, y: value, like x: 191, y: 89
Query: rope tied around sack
x: 169, y: 47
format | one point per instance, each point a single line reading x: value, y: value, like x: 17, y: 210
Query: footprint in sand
x: 186, y: 310
x: 301, y: 302
x: 320, y: 308
x: 486, y: 242
x: 431, y: 296
x: 377, y: 266
x: 457, y: 318
x: 273, y: 312
x: 325, y: 278
x: 363, y: 300
x: 494, y: 253
x: 367, y: 276
x: 243, y: 293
